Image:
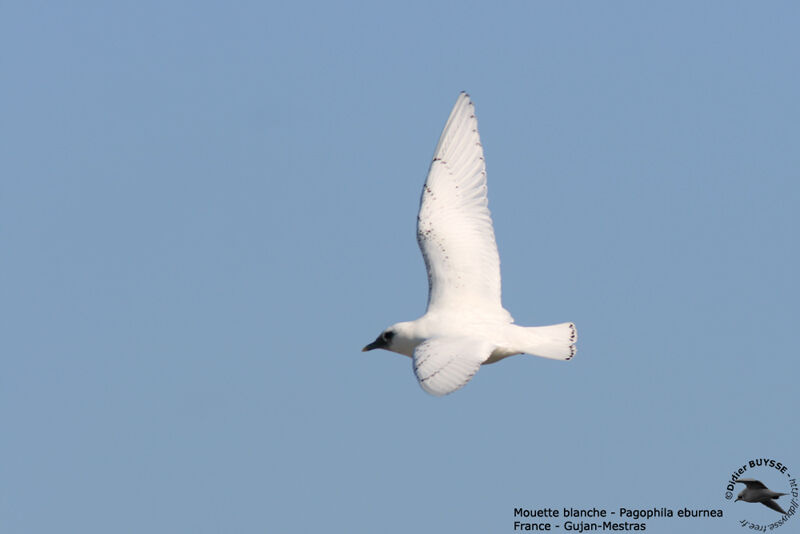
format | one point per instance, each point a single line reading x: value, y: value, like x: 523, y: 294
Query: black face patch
x: 381, y: 342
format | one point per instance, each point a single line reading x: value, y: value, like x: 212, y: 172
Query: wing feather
x: 454, y: 226
x: 445, y: 364
x: 774, y: 505
x: 752, y: 483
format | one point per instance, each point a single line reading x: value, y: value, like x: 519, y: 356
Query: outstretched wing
x: 444, y: 364
x: 774, y: 505
x: 752, y: 483
x: 454, y: 226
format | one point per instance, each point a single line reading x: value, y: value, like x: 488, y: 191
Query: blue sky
x: 207, y: 209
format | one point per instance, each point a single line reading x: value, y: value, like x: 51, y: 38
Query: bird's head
x: 399, y: 338
x: 383, y: 341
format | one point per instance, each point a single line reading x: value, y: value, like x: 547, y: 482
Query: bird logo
x: 756, y: 491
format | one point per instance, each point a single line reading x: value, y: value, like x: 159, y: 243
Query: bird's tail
x: 555, y: 341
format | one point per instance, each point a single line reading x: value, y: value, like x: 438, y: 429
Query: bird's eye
x: 387, y: 336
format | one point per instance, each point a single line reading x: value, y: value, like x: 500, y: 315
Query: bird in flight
x: 756, y: 491
x: 465, y: 325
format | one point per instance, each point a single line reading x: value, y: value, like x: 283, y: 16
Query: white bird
x: 465, y: 324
